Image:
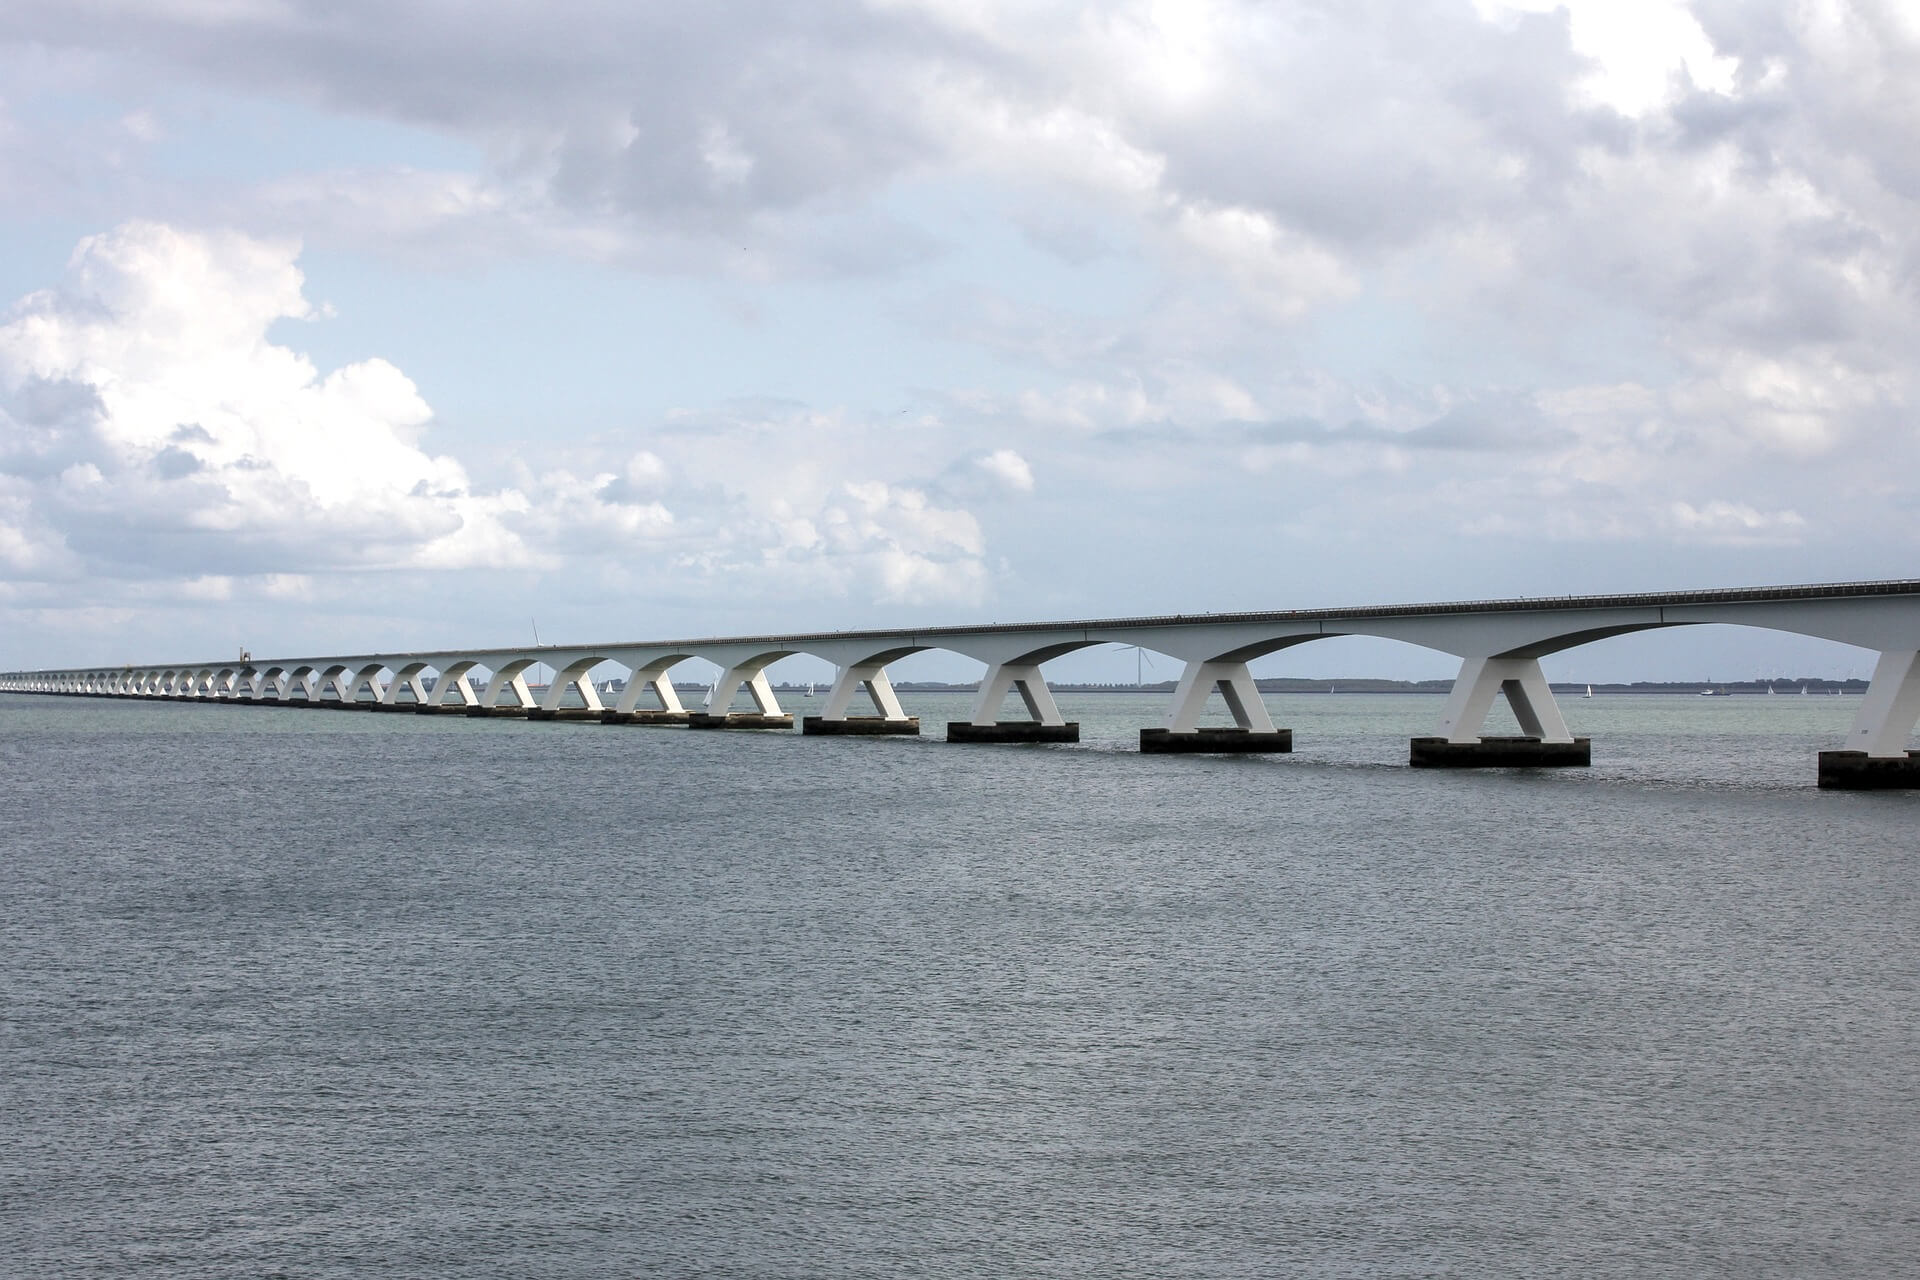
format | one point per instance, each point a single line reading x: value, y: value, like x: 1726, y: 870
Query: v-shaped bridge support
x: 1544, y: 738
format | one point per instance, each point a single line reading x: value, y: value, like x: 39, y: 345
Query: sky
x: 356, y: 326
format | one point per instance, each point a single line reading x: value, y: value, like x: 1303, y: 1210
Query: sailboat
x: 1588, y: 693
x: 809, y: 688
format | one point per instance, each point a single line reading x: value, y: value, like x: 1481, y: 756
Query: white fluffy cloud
x: 152, y: 427
x: 1009, y: 468
x: 151, y: 421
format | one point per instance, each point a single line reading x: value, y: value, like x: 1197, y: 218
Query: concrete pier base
x: 438, y: 708
x: 1155, y: 742
x: 645, y: 717
x: 394, y: 708
x: 738, y: 720
x: 1501, y: 753
x: 1012, y: 731
x: 506, y: 712
x: 858, y: 726
x: 563, y: 713
x: 1858, y: 771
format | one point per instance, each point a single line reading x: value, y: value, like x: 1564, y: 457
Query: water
x: 304, y: 994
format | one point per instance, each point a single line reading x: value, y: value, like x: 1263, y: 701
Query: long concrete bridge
x: 1499, y: 642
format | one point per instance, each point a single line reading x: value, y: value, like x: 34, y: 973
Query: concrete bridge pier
x: 346, y: 683
x: 1253, y: 728
x: 307, y: 684
x: 853, y: 678
x: 509, y: 682
x: 752, y: 676
x: 1544, y: 740
x: 646, y: 716
x: 405, y: 680
x: 575, y: 675
x: 1047, y: 725
x: 368, y: 678
x: 452, y: 693
x: 1876, y: 758
x: 656, y: 679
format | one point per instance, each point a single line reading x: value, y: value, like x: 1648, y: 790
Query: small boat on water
x: 1588, y: 693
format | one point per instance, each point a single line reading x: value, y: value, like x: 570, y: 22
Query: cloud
x: 920, y: 552
x: 1492, y: 424
x: 782, y: 497
x: 1642, y: 54
x: 165, y: 428
x: 1736, y: 521
x: 1009, y: 468
x: 150, y: 428
x: 768, y: 128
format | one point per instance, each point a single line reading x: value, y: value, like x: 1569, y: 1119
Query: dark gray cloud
x: 1359, y: 125
x: 1370, y: 131
x: 686, y: 113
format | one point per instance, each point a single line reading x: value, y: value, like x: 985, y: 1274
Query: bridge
x: 1499, y: 644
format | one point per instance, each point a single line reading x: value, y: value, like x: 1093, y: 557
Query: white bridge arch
x: 1499, y: 642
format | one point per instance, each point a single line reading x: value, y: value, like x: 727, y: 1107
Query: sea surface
x: 291, y: 993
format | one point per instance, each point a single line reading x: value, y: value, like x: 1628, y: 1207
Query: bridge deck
x: 1899, y: 587
x: 1348, y: 613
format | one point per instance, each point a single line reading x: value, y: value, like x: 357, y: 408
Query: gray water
x: 306, y: 994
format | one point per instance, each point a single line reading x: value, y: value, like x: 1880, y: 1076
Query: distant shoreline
x: 1290, y: 684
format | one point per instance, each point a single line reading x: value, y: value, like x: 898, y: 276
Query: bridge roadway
x: 1499, y: 642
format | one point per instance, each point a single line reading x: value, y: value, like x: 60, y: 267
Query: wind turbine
x: 1140, y: 662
